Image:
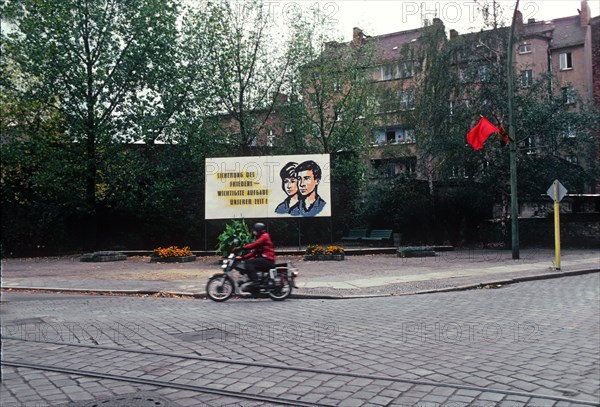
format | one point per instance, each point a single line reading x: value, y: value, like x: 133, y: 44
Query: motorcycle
x: 277, y: 283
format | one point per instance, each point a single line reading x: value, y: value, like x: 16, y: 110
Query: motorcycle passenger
x: 261, y: 257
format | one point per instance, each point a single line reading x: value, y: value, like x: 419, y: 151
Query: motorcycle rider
x: 261, y: 257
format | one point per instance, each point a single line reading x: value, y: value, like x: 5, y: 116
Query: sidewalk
x: 356, y: 276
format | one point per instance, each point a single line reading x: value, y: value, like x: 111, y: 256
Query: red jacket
x: 261, y: 247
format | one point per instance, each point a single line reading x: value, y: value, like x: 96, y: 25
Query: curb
x: 203, y: 295
x: 454, y: 289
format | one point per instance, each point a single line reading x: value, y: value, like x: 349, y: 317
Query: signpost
x: 557, y: 192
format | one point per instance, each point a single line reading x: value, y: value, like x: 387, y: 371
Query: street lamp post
x: 514, y: 205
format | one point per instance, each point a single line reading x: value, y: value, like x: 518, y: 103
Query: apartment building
x: 561, y: 47
x: 566, y: 48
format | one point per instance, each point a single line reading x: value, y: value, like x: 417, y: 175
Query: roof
x: 391, y: 45
x: 565, y: 32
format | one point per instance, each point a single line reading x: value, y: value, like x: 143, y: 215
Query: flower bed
x: 172, y: 254
x: 321, y: 253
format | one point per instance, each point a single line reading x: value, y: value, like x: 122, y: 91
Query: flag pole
x: 514, y: 205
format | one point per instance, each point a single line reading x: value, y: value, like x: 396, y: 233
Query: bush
x: 236, y: 229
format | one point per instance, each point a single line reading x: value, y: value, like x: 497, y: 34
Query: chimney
x: 531, y: 21
x: 358, y: 36
x: 518, y: 22
x: 453, y: 34
x: 584, y: 14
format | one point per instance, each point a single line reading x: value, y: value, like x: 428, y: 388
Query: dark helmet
x: 260, y: 228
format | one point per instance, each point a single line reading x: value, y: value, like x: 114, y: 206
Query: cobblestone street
x: 528, y: 344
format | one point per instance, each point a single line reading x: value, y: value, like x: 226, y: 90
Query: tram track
x: 247, y: 363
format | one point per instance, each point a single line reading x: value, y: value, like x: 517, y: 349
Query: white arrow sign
x: 562, y: 191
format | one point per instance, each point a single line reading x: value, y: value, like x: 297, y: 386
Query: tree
x: 38, y: 164
x: 108, y: 68
x: 556, y: 138
x: 248, y: 71
x: 334, y: 81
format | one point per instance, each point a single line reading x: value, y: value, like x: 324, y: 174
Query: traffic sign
x: 562, y: 191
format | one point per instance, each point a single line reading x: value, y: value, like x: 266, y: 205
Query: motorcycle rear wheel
x: 281, y: 291
x: 219, y: 288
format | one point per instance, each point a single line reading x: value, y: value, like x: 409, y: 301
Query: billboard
x: 277, y: 186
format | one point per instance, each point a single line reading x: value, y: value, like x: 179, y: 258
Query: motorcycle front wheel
x: 281, y: 290
x: 219, y: 288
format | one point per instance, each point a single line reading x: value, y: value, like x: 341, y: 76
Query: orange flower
x: 318, y: 249
x: 173, y: 251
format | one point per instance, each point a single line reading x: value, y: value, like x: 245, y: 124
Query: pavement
x: 359, y: 275
x: 529, y: 344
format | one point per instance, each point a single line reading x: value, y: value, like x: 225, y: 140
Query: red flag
x: 479, y: 134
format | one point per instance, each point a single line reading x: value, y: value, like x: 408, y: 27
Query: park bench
x: 355, y: 235
x: 379, y: 235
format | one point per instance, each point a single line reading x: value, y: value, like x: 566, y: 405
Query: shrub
x: 236, y: 229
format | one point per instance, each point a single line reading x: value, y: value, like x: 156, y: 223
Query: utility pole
x: 514, y: 204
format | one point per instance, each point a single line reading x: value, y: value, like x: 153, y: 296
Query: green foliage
x: 110, y: 73
x: 235, y: 229
x: 333, y: 81
x: 347, y: 183
x: 247, y: 69
x: 402, y: 204
x: 82, y: 81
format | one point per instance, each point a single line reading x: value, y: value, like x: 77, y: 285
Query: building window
x: 530, y: 146
x: 407, y: 100
x: 572, y: 159
x: 526, y: 78
x: 388, y: 72
x: 409, y: 135
x: 313, y: 100
x: 395, y: 135
x: 388, y: 168
x: 568, y: 95
x: 566, y: 61
x: 457, y: 104
x: 390, y: 136
x: 271, y: 139
x: 569, y: 131
x: 233, y: 138
x: 525, y: 48
x: 463, y: 75
x: 484, y: 73
x: 405, y: 69
x: 402, y: 69
x: 458, y: 172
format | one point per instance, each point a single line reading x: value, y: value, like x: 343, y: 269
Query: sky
x: 377, y: 17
